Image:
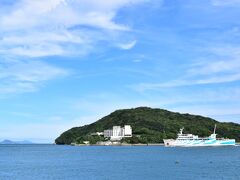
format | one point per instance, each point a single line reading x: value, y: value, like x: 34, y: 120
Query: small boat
x: 190, y: 140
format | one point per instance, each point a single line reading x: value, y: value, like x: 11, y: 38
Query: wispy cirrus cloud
x: 128, y: 45
x: 59, y: 27
x: 187, y: 82
x: 223, y: 68
x: 26, y: 76
x: 226, y: 60
x: 35, y: 29
x: 225, y: 3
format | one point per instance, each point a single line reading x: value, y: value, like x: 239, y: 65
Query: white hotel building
x: 118, y: 132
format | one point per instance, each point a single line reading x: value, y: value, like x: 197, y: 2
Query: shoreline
x: 150, y: 144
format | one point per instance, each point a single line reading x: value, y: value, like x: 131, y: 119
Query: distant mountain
x: 6, y: 141
x: 151, y: 126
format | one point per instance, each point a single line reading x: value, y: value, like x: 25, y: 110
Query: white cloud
x: 225, y: 2
x: 213, y: 111
x: 26, y: 76
x: 58, y: 27
x: 226, y: 61
x: 219, y: 79
x: 187, y: 82
x: 57, y: 13
x: 223, y: 68
x: 39, y: 28
x: 127, y: 46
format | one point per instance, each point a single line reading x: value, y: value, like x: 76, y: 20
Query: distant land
x: 150, y: 126
x: 6, y: 141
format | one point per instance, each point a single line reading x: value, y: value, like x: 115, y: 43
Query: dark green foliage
x: 150, y: 126
x: 90, y: 138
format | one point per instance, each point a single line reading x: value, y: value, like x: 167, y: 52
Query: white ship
x: 190, y: 140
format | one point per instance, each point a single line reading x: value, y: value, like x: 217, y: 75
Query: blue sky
x: 66, y: 63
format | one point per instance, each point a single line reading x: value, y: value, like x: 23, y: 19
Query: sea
x: 60, y: 162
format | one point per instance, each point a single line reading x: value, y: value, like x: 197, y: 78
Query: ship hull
x: 199, y: 143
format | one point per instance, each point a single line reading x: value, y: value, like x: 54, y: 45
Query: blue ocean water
x: 43, y: 162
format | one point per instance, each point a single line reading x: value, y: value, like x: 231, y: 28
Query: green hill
x: 150, y: 126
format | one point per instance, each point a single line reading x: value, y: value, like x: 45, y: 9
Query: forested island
x: 150, y: 126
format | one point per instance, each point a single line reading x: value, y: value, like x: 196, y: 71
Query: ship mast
x: 215, y: 128
x: 181, y: 130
